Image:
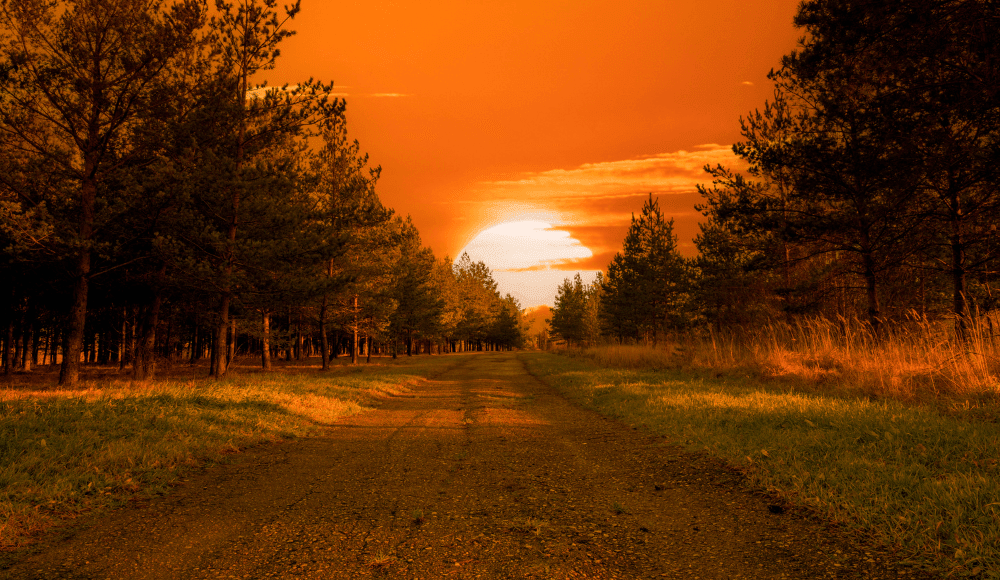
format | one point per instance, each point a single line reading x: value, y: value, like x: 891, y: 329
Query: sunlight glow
x: 529, y: 259
x: 525, y: 245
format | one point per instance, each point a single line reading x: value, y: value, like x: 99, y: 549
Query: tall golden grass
x: 914, y: 359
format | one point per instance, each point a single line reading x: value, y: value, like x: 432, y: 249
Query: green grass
x: 65, y: 453
x: 909, y: 476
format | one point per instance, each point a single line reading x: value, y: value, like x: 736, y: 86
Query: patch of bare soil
x: 482, y: 473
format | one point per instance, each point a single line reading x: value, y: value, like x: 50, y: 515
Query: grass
x: 907, y: 475
x: 914, y: 360
x: 381, y: 560
x: 529, y: 525
x: 64, y: 453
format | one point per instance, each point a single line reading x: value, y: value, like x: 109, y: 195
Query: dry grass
x: 913, y: 361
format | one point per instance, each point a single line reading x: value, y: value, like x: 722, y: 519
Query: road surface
x: 484, y: 472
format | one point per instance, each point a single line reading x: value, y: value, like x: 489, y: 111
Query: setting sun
x: 525, y: 245
x: 529, y: 258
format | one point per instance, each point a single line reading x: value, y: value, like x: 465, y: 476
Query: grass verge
x: 65, y: 453
x: 913, y: 360
x: 909, y: 476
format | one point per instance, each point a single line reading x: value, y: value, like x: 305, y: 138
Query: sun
x: 529, y: 259
x: 525, y: 245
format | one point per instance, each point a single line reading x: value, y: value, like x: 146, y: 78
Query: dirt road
x: 484, y: 472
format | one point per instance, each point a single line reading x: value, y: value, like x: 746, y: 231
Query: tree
x: 419, y: 305
x: 507, y: 331
x: 647, y: 289
x: 355, y: 230
x: 477, y: 291
x: 889, y: 126
x: 261, y: 119
x: 743, y: 261
x: 75, y: 75
x: 575, y: 316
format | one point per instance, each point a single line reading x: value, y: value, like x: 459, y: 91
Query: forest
x: 865, y: 193
x: 159, y: 204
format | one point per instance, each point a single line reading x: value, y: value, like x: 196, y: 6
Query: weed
x: 417, y: 516
x: 381, y: 560
x: 618, y: 508
x: 529, y: 525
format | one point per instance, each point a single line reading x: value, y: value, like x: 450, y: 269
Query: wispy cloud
x: 389, y: 95
x: 662, y: 173
x: 594, y: 202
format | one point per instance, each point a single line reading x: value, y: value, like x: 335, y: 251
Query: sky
x: 552, y: 119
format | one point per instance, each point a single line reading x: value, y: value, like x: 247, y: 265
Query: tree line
x: 868, y: 190
x: 157, y: 203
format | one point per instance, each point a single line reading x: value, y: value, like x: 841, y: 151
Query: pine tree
x: 77, y: 74
x: 647, y: 290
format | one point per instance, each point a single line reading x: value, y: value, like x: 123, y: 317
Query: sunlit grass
x: 908, y: 476
x: 919, y: 359
x: 914, y: 361
x: 67, y: 452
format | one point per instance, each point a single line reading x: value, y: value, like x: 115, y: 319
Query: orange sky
x: 567, y: 111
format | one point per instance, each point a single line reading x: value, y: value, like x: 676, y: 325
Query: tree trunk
x: 231, y: 353
x: 288, y: 348
x: 265, y: 350
x: 871, y: 291
x: 195, y: 345
x: 218, y: 367
x: 69, y: 374
x: 960, y: 306
x: 19, y: 344
x: 324, y: 342
x: 298, y: 336
x: 27, y: 340
x: 143, y: 363
x: 8, y: 348
x: 168, y: 352
x: 52, y: 349
x: 354, y: 343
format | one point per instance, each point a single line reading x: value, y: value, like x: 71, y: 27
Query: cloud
x: 662, y: 173
x: 594, y: 202
x: 381, y: 95
x: 747, y: 83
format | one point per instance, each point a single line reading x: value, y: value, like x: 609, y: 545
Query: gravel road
x: 484, y: 472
